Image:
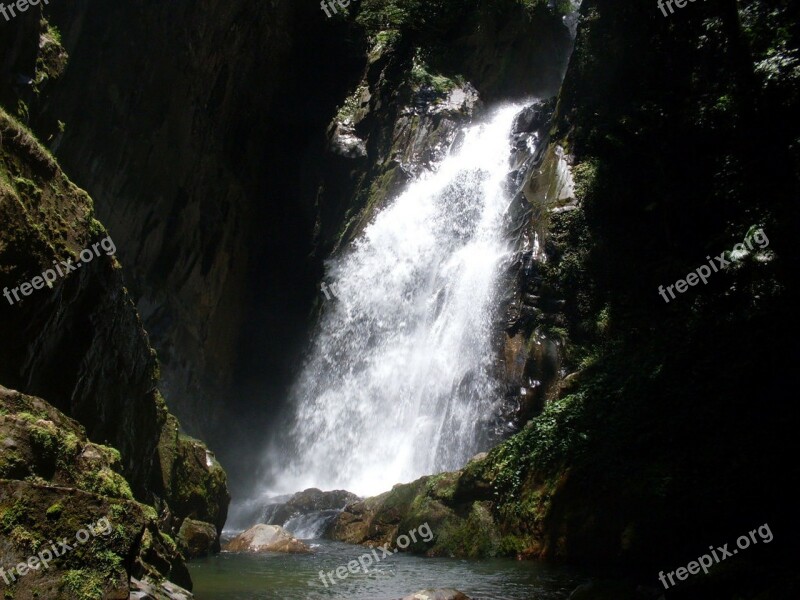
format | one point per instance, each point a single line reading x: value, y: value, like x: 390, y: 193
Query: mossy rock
x: 97, y: 560
x: 69, y: 484
x: 42, y: 442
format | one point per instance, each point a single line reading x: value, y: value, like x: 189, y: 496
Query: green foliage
x: 433, y: 17
x: 54, y: 33
x: 382, y: 15
x: 106, y: 483
x: 10, y: 462
x: 347, y: 112
x: 82, y: 584
x: 511, y: 545
x: 562, y: 7
x: 54, y: 511
x: 422, y: 77
x: 23, y: 112
x: 10, y: 516
x: 475, y: 537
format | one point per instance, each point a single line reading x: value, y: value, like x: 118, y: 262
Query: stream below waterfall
x: 232, y: 576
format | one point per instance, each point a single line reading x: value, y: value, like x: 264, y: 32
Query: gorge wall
x: 99, y: 440
x: 671, y: 421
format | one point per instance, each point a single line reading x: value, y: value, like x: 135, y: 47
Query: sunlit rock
x: 267, y: 538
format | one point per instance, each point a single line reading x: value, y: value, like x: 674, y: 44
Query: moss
x: 443, y: 486
x: 475, y: 537
x: 10, y: 516
x: 83, y: 584
x: 169, y: 541
x: 54, y: 511
x: 422, y: 77
x: 25, y: 539
x: 512, y: 545
x: 45, y: 437
x: 10, y: 463
x: 108, y: 563
x: 347, y: 113
x: 106, y: 483
x: 69, y: 446
x: 52, y: 59
x: 149, y: 512
x: 585, y: 176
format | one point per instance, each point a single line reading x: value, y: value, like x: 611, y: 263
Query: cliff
x: 72, y: 335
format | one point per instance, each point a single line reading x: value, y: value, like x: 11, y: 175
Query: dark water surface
x: 231, y: 576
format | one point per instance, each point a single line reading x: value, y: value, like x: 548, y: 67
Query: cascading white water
x: 400, y: 380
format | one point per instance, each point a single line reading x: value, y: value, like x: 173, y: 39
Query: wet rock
x: 344, y: 142
x: 437, y: 595
x: 534, y: 117
x: 309, y: 502
x: 479, y: 457
x: 312, y: 500
x: 196, y: 538
x: 149, y: 590
x: 267, y: 538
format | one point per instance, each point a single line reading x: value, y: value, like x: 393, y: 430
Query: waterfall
x: 400, y: 380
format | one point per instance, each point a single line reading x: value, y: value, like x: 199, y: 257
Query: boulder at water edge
x: 267, y: 538
x: 197, y: 539
x: 437, y: 595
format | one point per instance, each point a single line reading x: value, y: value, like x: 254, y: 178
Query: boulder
x: 54, y: 483
x: 149, y: 590
x: 437, y: 595
x: 197, y: 539
x: 267, y: 538
x: 306, y: 502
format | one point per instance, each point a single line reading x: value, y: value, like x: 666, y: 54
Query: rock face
x: 72, y: 490
x: 81, y: 345
x: 197, y: 539
x: 195, y: 483
x: 40, y: 442
x: 267, y: 538
x: 307, y: 502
